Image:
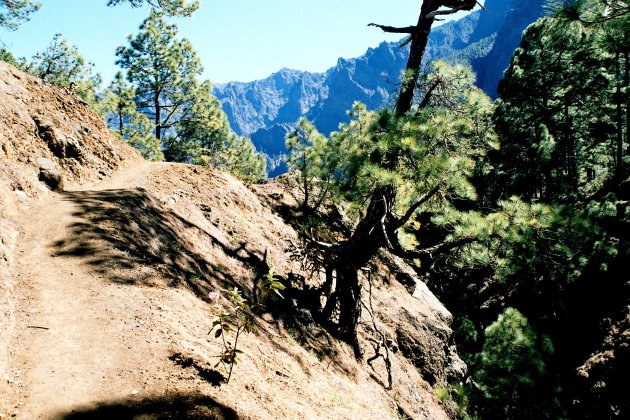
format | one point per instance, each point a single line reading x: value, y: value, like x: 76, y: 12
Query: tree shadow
x: 129, y: 237
x: 170, y: 406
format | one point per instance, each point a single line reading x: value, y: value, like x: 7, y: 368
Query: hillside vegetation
x: 105, y: 288
x: 195, y: 288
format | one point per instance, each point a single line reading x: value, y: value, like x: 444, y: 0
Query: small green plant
x: 442, y: 392
x: 268, y: 287
x: 229, y: 323
x: 341, y: 401
x: 234, y: 240
x: 456, y: 396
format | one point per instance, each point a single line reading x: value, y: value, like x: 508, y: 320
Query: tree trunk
x: 158, y: 110
x: 626, y: 83
x: 419, y: 39
x: 619, y: 117
x: 419, y: 36
x: 571, y: 152
x: 346, y: 259
x: 305, y: 185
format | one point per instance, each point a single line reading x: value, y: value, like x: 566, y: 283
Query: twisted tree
x: 418, y: 38
x: 399, y: 165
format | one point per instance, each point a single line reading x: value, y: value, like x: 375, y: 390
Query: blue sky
x: 240, y: 40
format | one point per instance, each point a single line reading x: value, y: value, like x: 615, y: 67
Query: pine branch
x: 403, y: 220
x: 394, y: 30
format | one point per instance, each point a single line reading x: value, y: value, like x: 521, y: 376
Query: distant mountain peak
x: 486, y: 39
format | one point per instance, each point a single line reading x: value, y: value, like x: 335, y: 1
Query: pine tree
x: 512, y: 372
x: 131, y: 126
x: 398, y: 165
x: 62, y: 65
x: 239, y: 157
x: 163, y: 69
x: 188, y: 121
x: 15, y: 12
x: 170, y: 7
x: 308, y: 151
x: 7, y: 57
x: 205, y: 137
x: 556, y: 142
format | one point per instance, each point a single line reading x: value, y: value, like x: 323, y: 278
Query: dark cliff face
x: 486, y: 39
x: 270, y: 142
x: 371, y: 79
x: 516, y: 17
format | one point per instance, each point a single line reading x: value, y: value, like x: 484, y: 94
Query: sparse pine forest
x: 157, y: 103
x: 514, y: 211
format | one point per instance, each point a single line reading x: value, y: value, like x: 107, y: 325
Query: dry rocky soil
x: 103, y: 289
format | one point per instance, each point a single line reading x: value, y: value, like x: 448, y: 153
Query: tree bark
x: 158, y: 127
x: 626, y: 99
x: 619, y: 118
x: 346, y: 258
x: 418, y: 37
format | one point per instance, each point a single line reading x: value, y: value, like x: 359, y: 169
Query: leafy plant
x: 229, y: 323
x: 268, y: 288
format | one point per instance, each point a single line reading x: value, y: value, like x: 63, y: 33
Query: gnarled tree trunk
x: 418, y: 37
x: 345, y: 259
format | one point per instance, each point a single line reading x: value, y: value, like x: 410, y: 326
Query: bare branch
x: 428, y: 95
x: 324, y: 246
x: 441, y: 247
x: 432, y: 15
x: 394, y: 30
x: 403, y: 220
x: 406, y: 41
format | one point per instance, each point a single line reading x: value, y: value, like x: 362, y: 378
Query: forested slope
x: 105, y: 288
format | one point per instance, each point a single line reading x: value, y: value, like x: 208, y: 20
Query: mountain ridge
x: 264, y: 108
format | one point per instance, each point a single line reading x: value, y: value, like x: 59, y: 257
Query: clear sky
x: 239, y: 40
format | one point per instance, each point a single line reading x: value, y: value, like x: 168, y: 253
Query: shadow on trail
x: 129, y: 237
x: 155, y: 408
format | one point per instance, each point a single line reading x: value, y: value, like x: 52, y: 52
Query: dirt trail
x: 78, y: 340
x: 111, y: 324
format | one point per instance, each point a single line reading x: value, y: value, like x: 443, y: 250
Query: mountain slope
x: 104, y: 289
x: 485, y: 38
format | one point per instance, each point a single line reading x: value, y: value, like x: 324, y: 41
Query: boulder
x: 52, y: 178
x: 45, y: 163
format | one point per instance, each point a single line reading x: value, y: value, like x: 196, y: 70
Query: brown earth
x: 103, y: 289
